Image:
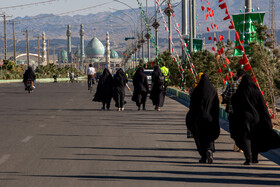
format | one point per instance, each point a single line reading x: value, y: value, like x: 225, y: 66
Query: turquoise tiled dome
x: 62, y: 56
x: 114, y: 54
x: 95, y: 49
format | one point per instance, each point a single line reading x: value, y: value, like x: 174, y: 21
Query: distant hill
x: 96, y: 25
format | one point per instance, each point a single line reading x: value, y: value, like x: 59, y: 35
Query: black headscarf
x: 203, y: 116
x: 251, y: 118
x: 140, y: 82
x: 120, y: 79
x: 29, y: 74
x: 156, y: 73
x: 105, y: 75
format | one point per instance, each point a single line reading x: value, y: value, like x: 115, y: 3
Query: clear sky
x: 62, y: 6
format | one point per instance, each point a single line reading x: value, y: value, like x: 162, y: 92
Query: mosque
x: 94, y: 53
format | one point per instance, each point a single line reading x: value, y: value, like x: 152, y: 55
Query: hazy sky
x: 62, y: 6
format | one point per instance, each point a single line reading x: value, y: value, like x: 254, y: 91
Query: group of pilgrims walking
x: 249, y: 120
x: 114, y: 87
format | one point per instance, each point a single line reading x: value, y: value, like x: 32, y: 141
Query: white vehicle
x: 149, y: 72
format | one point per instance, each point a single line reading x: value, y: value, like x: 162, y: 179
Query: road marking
x: 4, y: 159
x: 52, y: 117
x: 26, y: 139
x: 42, y: 126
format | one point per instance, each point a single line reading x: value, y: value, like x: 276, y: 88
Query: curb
x: 45, y: 80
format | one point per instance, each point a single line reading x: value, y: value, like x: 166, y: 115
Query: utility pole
x: 156, y: 26
x: 38, y: 51
x: 169, y: 11
x: 53, y: 53
x: 142, y: 36
x: 27, y: 47
x: 14, y: 42
x: 194, y: 18
x: 184, y: 25
x: 5, y: 36
x: 148, y: 34
x: 248, y: 4
x: 191, y: 25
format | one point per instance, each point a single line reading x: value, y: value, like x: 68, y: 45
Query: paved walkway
x: 57, y: 136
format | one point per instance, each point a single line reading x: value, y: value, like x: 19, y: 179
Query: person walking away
x: 166, y: 74
x: 157, y: 93
x: 203, y: 118
x: 141, y: 88
x: 91, y: 75
x: 198, y: 77
x: 251, y: 126
x: 104, y: 91
x: 120, y: 81
x: 227, y: 95
x: 29, y: 75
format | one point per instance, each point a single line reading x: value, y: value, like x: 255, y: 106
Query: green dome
x: 62, y: 55
x: 114, y: 54
x: 95, y: 49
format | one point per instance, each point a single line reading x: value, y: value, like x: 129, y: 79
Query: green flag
x: 197, y: 44
x: 244, y: 26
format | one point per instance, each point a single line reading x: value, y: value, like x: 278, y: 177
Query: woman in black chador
x: 141, y: 88
x: 120, y: 81
x: 203, y: 118
x: 251, y: 126
x: 157, y: 93
x: 104, y: 90
x: 29, y: 75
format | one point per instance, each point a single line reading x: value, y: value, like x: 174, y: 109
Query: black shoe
x: 103, y: 108
x: 139, y: 109
x: 144, y: 108
x: 247, y: 162
x: 202, y: 160
x: 209, y: 157
x: 255, y: 161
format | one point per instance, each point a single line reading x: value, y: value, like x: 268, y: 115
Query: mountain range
x: 120, y: 24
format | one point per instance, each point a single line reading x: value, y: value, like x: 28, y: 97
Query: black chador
x: 104, y: 90
x: 203, y: 118
x: 120, y: 81
x: 141, y: 88
x: 251, y: 126
x: 157, y: 93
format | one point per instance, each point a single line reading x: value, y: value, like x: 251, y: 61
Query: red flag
x: 226, y: 18
x: 222, y: 50
x: 218, y: 58
x: 191, y: 70
x: 215, y: 39
x: 237, y: 36
x: 241, y: 61
x: 206, y: 16
x: 245, y: 58
x: 220, y: 71
x: 210, y: 38
x: 240, y: 47
x: 223, y: 6
x: 228, y: 62
x: 226, y: 78
x: 211, y: 14
x: 247, y: 67
x: 231, y: 74
x: 202, y: 8
x: 231, y: 27
x: 219, y: 52
x: 254, y: 79
x: 221, y: 37
x: 227, y: 11
x: 224, y: 81
x: 208, y: 9
x: 224, y: 65
x: 216, y: 26
x: 212, y: 26
x: 220, y: 1
x: 213, y: 48
x: 208, y: 29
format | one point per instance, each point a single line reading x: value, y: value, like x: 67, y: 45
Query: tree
x: 264, y: 59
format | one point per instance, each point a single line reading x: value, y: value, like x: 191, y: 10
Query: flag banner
x: 198, y: 44
x: 244, y: 26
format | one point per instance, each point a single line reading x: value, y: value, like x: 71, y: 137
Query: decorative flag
x: 208, y: 29
x: 224, y: 66
x: 220, y: 71
x: 247, y: 67
x: 202, y: 8
x: 213, y: 48
x: 223, y: 6
x: 230, y: 74
x: 226, y: 18
x: 215, y: 39
x: 220, y: 1
x: 216, y: 26
x: 218, y: 58
x: 221, y: 37
x: 228, y: 62
x: 210, y: 38
x: 208, y: 9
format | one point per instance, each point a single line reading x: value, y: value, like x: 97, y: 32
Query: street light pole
x: 148, y: 34
x: 248, y: 4
x: 184, y: 25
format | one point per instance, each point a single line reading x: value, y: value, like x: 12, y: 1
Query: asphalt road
x: 56, y: 136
